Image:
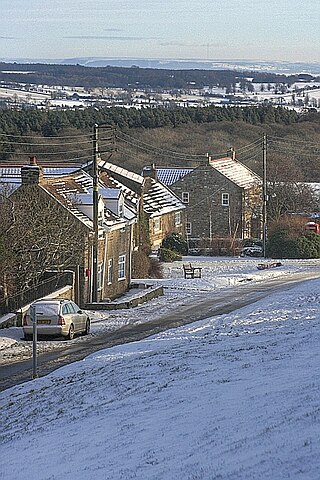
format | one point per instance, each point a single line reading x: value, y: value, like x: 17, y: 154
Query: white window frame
x: 157, y: 224
x: 122, y: 267
x: 177, y: 219
x: 188, y: 228
x: 185, y: 197
x: 225, y: 199
x: 100, y: 276
x: 110, y: 270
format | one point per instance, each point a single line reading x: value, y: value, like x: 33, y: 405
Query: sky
x: 283, y: 30
x: 233, y: 397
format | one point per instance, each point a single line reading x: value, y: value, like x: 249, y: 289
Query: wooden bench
x: 191, y: 272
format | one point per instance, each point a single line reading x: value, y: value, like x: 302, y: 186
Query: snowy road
x: 199, y: 306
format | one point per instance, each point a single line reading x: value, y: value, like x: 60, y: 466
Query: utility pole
x: 95, y: 200
x: 264, y: 194
x: 95, y: 175
x: 33, y: 316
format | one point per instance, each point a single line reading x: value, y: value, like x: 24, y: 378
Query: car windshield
x: 47, y: 309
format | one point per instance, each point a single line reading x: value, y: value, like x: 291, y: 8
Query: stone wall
x: 209, y: 218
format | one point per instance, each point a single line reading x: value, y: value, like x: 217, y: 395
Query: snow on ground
x: 217, y: 273
x: 233, y: 397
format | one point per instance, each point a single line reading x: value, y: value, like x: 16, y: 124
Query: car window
x: 74, y: 307
x: 66, y: 309
x: 48, y: 309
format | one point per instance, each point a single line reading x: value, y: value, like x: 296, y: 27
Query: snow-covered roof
x: 157, y: 198
x: 122, y: 172
x: 169, y: 176
x: 69, y: 189
x: 228, y: 167
x: 236, y: 172
x: 13, y: 174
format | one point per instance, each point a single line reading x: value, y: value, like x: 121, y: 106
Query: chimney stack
x: 232, y: 153
x: 31, y: 174
x: 150, y: 171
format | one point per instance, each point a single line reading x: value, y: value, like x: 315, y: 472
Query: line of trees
x: 95, y: 77
x: 50, y: 123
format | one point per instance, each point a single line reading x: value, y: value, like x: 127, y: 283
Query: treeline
x: 50, y: 123
x: 123, y: 77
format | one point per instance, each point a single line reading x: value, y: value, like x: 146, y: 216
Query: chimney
x: 232, y: 153
x: 31, y: 174
x: 150, y: 171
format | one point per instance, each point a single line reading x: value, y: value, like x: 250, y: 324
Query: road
x: 205, y: 306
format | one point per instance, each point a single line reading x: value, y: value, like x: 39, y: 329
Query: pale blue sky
x: 287, y: 30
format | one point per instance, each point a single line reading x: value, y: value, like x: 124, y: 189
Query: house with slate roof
x: 72, y: 193
x: 223, y: 200
x: 160, y: 211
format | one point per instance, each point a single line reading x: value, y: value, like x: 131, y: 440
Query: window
x: 100, y: 276
x: 177, y: 219
x: 225, y: 200
x: 188, y: 228
x: 157, y: 225
x: 110, y: 270
x: 122, y: 267
x: 73, y: 307
x: 185, y: 197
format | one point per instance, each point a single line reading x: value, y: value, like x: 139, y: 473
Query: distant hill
x: 276, y: 67
x: 134, y: 76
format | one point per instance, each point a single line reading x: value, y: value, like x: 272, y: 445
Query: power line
x: 141, y: 144
x: 284, y: 140
x: 32, y: 136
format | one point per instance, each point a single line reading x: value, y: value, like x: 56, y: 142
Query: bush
x: 144, y: 266
x: 176, y: 243
x: 140, y: 265
x: 167, y: 255
x: 309, y: 246
x: 282, y: 244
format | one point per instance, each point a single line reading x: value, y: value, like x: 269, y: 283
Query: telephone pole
x: 95, y: 247
x: 95, y: 175
x: 264, y: 194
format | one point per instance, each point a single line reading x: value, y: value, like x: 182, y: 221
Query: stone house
x: 160, y: 211
x: 71, y: 196
x: 223, y: 200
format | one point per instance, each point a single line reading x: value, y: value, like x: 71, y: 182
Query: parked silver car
x: 56, y: 317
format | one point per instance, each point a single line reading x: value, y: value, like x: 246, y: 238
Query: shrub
x: 167, y: 255
x: 280, y: 245
x: 286, y: 241
x: 309, y: 246
x: 145, y: 267
x: 176, y: 243
x: 140, y: 265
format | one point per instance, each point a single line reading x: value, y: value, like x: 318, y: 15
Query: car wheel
x: 87, y: 330
x: 71, y: 333
x: 27, y: 336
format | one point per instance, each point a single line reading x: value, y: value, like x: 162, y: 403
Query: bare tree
x: 43, y: 236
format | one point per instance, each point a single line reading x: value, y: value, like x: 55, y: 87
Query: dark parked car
x: 253, y: 251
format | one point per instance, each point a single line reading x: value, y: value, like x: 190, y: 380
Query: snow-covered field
x: 231, y: 397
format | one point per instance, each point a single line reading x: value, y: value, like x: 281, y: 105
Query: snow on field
x: 233, y: 397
